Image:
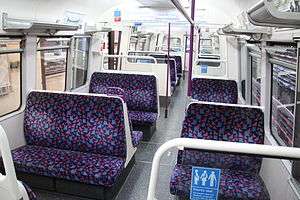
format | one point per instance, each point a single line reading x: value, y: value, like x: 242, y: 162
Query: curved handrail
x: 10, y: 179
x: 277, y: 152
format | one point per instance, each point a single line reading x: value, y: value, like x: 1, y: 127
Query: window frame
x: 65, y: 47
x: 277, y: 138
x: 19, y: 51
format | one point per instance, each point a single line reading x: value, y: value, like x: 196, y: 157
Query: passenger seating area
x: 240, y: 177
x: 75, y: 139
x: 215, y: 90
x: 140, y: 93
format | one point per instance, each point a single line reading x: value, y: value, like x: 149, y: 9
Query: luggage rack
x: 265, y: 13
x: 252, y: 33
x: 32, y: 26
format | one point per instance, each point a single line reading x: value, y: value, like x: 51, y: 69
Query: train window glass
x: 10, y: 76
x: 255, y: 81
x: 283, y: 104
x: 52, y: 63
x: 175, y: 44
x: 80, y: 57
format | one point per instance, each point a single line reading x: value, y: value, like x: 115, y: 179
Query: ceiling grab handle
x: 266, y: 151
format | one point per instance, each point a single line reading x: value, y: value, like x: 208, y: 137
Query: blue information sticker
x: 204, y: 69
x: 205, y: 183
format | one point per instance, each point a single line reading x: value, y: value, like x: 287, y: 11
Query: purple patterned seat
x: 111, y: 91
x: 140, y: 94
x: 73, y: 137
x: 215, y: 90
x: 173, y: 73
x: 234, y: 184
x: 240, y: 174
x: 86, y: 168
x: 178, y: 65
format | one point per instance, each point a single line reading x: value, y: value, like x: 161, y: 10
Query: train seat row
x: 75, y: 143
x: 140, y: 93
x: 215, y: 90
x: 240, y: 177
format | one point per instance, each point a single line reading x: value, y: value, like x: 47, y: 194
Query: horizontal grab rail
x: 277, y: 152
x: 211, y: 60
x: 133, y: 57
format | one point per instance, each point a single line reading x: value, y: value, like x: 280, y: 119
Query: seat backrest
x: 85, y: 123
x: 178, y: 64
x: 111, y: 91
x: 215, y: 90
x: 173, y: 72
x: 140, y: 90
x: 223, y: 123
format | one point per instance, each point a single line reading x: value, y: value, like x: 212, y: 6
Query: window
x: 283, y: 61
x: 175, y: 44
x: 52, y: 63
x: 10, y: 75
x: 80, y: 58
x: 255, y: 80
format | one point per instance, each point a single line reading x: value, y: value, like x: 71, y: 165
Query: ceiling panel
x: 157, y: 3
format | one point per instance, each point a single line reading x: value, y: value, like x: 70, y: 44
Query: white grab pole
x: 217, y: 146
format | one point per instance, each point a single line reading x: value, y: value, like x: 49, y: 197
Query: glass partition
x: 255, y: 61
x: 80, y: 60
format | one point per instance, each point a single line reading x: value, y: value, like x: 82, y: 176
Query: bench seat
x: 86, y: 168
x: 234, y: 184
x: 142, y: 118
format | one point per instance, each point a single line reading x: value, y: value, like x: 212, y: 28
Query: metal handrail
x: 134, y: 57
x: 277, y: 152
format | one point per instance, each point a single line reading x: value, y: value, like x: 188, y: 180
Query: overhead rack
x: 265, y: 13
x: 231, y: 30
x: 31, y: 26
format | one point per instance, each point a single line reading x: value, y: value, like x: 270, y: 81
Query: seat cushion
x: 30, y: 193
x: 137, y: 137
x: 86, y: 168
x: 142, y: 118
x: 234, y: 184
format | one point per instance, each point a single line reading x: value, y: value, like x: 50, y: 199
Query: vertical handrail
x: 268, y: 151
x: 191, y: 49
x: 168, y: 71
x: 185, y: 48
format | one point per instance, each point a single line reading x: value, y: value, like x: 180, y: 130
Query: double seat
x: 240, y: 179
x: 139, y: 91
x: 76, y: 144
x: 215, y: 90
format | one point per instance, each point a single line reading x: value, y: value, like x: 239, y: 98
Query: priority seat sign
x: 205, y: 183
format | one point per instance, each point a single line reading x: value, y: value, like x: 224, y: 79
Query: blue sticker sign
x: 205, y: 183
x: 204, y: 69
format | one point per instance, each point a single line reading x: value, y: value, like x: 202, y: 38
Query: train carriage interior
x: 150, y: 99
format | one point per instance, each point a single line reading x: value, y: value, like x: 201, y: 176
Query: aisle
x: 136, y: 185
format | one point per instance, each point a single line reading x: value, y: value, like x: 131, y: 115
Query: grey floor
x: 136, y: 185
